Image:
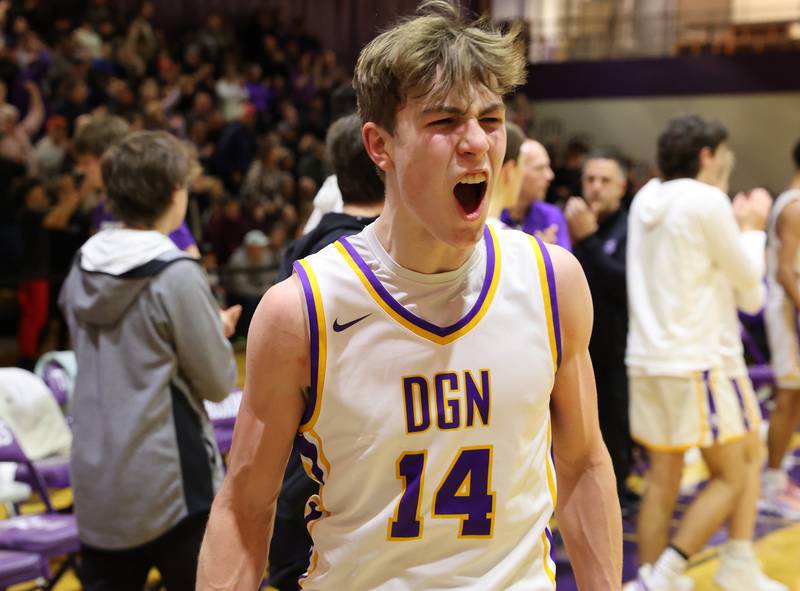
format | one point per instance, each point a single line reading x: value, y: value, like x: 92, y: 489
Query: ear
x: 378, y: 143
x: 706, y: 154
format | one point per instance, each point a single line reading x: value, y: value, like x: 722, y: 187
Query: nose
x: 474, y: 141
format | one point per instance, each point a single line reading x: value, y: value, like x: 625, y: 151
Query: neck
x: 604, y: 215
x: 363, y: 210
x: 713, y: 180
x: 416, y: 249
x: 164, y: 225
x: 518, y: 210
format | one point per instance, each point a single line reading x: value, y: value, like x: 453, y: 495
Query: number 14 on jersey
x: 464, y: 492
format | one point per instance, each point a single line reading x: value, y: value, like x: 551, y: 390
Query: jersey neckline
x: 438, y: 334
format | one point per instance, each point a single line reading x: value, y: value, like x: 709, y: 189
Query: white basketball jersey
x: 431, y: 444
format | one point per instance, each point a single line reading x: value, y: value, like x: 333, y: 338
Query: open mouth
x: 469, y: 192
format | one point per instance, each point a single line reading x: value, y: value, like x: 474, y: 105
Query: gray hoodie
x: 149, y: 345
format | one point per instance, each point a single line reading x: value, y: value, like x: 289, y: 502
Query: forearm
x: 35, y: 117
x: 590, y: 522
x: 58, y: 217
x: 235, y: 548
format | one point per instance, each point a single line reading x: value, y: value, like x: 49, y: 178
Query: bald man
x: 531, y: 214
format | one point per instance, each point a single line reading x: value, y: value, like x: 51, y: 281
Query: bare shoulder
x: 281, y: 311
x: 278, y: 342
x: 789, y: 217
x: 575, y: 310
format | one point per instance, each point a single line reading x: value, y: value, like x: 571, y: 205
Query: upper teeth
x: 473, y: 179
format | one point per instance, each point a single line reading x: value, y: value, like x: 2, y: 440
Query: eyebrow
x: 451, y: 110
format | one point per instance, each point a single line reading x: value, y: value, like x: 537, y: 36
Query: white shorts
x: 780, y: 318
x: 671, y: 413
x: 747, y: 403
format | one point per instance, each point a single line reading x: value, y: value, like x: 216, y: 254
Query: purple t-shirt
x: 541, y: 216
x: 181, y: 237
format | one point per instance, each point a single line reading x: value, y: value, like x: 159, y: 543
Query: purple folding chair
x: 54, y: 471
x: 55, y: 376
x: 49, y: 534
x: 20, y: 567
x: 223, y: 416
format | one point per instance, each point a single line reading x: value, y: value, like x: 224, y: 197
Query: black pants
x: 174, y: 554
x: 612, y: 406
x: 291, y: 544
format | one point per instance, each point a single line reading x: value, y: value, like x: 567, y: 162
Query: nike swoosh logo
x: 340, y: 327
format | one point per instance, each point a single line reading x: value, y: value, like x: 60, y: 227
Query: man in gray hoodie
x: 150, y: 346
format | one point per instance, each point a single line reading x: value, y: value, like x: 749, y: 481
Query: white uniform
x: 431, y: 437
x: 682, y: 234
x: 780, y: 314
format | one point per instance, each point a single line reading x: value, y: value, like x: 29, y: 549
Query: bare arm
x: 35, y: 117
x: 789, y: 234
x: 588, y: 511
x: 236, y: 544
x: 58, y: 217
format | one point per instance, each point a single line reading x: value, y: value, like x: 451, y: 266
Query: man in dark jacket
x: 362, y: 194
x: 598, y: 228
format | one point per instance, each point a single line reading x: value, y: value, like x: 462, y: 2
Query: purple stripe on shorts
x: 441, y: 331
x: 314, y: 338
x: 712, y: 408
x: 551, y: 284
x: 740, y: 398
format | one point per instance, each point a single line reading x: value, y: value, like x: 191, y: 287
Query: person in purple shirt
x: 91, y: 140
x: 531, y: 214
x: 181, y: 237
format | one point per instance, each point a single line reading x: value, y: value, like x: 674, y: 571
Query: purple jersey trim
x: 549, y: 535
x: 314, y: 339
x: 440, y: 331
x: 551, y: 285
x: 310, y: 452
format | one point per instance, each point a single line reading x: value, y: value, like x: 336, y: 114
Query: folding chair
x: 223, y: 416
x: 20, y: 567
x: 49, y: 534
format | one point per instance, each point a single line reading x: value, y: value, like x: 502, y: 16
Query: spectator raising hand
x: 752, y: 209
x: 581, y: 220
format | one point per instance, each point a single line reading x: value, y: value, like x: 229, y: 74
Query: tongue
x: 469, y: 196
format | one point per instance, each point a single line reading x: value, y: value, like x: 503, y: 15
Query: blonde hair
x: 434, y: 53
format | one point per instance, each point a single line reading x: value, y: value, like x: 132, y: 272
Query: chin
x: 467, y: 237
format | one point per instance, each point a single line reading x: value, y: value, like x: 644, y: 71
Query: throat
x: 469, y: 195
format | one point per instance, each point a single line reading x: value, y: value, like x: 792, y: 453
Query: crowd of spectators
x: 254, y: 100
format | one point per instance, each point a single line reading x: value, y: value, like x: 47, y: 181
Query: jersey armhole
x: 547, y: 281
x: 317, y: 342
